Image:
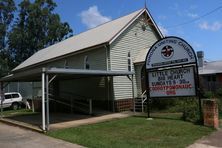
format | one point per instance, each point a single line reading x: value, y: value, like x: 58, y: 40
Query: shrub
x: 191, y: 110
x: 219, y: 92
x: 208, y: 94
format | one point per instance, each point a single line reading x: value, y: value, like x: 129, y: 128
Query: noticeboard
x: 171, y: 69
x: 172, y: 82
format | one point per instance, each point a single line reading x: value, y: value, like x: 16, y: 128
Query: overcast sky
x: 199, y: 22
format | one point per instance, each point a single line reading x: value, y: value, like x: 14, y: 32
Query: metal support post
x: 47, y: 102
x: 134, y: 110
x: 90, y: 106
x: 2, y: 99
x: 43, y: 101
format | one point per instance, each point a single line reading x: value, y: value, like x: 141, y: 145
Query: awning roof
x: 34, y: 75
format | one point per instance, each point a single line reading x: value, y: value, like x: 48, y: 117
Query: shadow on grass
x: 171, y: 116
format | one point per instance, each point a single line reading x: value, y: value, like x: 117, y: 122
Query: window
x: 66, y: 64
x: 211, y: 78
x: 129, y: 62
x: 8, y: 96
x: 86, y: 63
x: 15, y: 96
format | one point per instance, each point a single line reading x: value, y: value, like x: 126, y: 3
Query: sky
x: 199, y: 22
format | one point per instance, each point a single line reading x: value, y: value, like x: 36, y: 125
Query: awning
x: 35, y: 74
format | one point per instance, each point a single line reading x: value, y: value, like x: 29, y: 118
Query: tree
x: 7, y: 8
x: 36, y: 28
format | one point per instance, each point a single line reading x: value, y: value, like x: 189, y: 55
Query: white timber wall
x: 132, y: 40
x: 85, y: 86
x: 96, y: 60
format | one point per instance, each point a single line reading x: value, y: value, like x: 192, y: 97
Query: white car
x: 12, y: 99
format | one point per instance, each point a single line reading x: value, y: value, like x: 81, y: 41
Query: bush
x: 208, y: 94
x: 219, y: 92
x: 191, y: 110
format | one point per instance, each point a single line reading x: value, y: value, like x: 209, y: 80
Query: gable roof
x: 103, y: 34
x: 211, y: 68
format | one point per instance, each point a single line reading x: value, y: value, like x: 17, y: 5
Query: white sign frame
x: 170, y: 51
x: 180, y: 54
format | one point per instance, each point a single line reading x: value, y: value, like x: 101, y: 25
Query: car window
x: 8, y: 96
x: 15, y: 96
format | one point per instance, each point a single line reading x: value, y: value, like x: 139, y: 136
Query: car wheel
x: 15, y: 106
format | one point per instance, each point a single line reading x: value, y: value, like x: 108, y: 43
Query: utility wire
x: 196, y: 19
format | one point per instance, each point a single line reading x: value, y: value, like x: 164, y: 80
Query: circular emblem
x: 167, y: 52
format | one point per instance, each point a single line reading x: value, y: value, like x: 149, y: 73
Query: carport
x: 47, y: 75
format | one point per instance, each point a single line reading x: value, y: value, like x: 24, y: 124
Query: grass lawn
x: 134, y: 132
x: 9, y: 113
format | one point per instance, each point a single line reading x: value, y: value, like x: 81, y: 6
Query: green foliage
x: 36, y: 28
x: 188, y: 106
x: 7, y: 8
x: 191, y: 110
x: 219, y: 92
x: 208, y: 94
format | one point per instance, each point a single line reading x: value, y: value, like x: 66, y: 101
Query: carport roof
x: 35, y: 74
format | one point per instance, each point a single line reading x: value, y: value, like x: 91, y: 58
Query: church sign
x: 172, y: 82
x: 171, y: 69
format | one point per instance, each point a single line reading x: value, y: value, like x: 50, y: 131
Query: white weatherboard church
x: 97, y: 65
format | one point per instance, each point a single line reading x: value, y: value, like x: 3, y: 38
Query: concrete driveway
x: 15, y: 137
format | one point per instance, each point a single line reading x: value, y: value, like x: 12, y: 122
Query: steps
x: 138, y: 104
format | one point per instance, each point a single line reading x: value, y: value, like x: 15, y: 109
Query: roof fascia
x: 88, y: 72
x: 21, y: 75
x: 154, y: 23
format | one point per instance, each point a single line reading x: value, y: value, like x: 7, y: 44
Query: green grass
x: 134, y: 132
x: 9, y: 113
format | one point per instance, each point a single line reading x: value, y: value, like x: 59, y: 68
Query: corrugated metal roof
x: 96, y: 36
x: 211, y: 68
x: 35, y: 74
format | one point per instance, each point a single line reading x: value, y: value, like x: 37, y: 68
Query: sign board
x: 170, y: 65
x: 172, y: 82
x: 170, y: 51
x: 171, y: 70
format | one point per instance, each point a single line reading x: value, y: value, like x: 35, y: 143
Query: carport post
x: 47, y: 102
x: 133, y: 95
x: 2, y: 97
x: 43, y: 100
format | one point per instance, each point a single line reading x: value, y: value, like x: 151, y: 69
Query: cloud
x: 193, y: 15
x: 197, y: 45
x: 162, y: 17
x: 92, y: 17
x: 212, y: 27
x: 163, y: 30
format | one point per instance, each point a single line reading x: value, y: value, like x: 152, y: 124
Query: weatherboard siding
x: 132, y: 40
x: 96, y: 60
x: 138, y: 69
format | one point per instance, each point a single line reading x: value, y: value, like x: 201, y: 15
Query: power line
x: 196, y: 19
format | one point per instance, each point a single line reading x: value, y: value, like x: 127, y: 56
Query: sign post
x: 171, y: 70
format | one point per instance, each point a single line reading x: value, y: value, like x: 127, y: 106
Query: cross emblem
x: 167, y: 51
